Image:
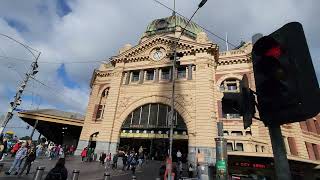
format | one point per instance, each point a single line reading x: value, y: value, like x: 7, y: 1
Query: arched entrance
x: 147, y: 126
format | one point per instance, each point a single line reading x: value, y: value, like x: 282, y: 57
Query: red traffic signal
x: 286, y: 84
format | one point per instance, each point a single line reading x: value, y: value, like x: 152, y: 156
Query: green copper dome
x: 167, y: 24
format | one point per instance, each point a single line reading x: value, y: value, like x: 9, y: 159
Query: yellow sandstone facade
x: 141, y: 75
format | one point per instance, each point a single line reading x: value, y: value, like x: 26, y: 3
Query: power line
x: 54, y: 90
x: 49, y: 62
x: 219, y: 37
x: 22, y: 44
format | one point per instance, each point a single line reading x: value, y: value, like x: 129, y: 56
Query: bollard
x: 107, y: 176
x: 39, y: 173
x: 134, y: 177
x: 1, y: 166
x: 75, y: 174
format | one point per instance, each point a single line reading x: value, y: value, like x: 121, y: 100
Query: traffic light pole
x: 17, y: 98
x: 279, y: 153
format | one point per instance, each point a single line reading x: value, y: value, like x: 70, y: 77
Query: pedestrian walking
x: 31, y: 156
x: 39, y: 150
x: 108, y: 161
x: 115, y: 161
x: 61, y: 152
x: 3, y: 148
x: 190, y: 171
x: 15, y: 148
x: 89, y: 154
x: 59, y: 172
x: 84, y: 154
x: 124, y: 160
x: 102, y: 158
x: 179, y: 155
x: 72, y: 149
x: 20, y: 155
x: 133, y: 164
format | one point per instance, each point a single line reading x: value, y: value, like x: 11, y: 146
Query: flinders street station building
x: 130, y: 101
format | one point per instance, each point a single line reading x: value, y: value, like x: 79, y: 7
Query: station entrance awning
x: 57, y: 126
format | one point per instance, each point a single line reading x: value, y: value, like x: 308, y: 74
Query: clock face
x: 157, y: 55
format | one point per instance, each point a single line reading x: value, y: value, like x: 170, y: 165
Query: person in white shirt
x: 179, y: 155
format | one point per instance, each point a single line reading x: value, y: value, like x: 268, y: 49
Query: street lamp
x: 171, y: 116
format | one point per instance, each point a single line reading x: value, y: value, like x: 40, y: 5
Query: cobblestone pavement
x: 88, y: 170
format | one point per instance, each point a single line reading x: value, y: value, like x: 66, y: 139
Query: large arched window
x: 100, y: 107
x: 153, y: 116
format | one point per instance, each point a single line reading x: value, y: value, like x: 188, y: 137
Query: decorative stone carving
x: 202, y: 37
x: 125, y: 48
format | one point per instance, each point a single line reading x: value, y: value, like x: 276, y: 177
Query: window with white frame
x: 135, y: 76
x: 181, y: 72
x: 149, y: 74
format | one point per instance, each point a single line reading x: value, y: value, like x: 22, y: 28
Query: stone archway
x: 148, y: 127
x: 120, y: 118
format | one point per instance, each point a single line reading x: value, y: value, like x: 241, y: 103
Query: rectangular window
x: 100, y: 112
x: 239, y: 147
x: 149, y: 75
x: 229, y: 147
x: 135, y: 76
x: 165, y: 74
x: 181, y: 72
x: 236, y: 133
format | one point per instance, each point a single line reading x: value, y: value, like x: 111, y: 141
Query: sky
x: 74, y: 36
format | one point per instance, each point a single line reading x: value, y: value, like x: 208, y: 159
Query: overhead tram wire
x: 54, y: 90
x: 24, y: 45
x: 49, y: 62
x: 219, y: 37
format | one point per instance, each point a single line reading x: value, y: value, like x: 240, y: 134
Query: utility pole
x: 17, y: 98
x: 171, y: 116
x: 221, y: 154
x: 34, y: 128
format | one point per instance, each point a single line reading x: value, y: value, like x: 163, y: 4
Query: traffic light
x: 286, y: 83
x: 242, y: 103
x: 179, y: 55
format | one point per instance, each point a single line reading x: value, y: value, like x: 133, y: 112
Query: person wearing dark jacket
x: 59, y: 172
x: 31, y: 156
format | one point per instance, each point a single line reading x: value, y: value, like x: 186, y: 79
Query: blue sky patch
x: 63, y: 8
x: 62, y: 74
x: 19, y: 26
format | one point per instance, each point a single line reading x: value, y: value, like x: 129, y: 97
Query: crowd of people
x: 24, y: 153
x: 130, y: 158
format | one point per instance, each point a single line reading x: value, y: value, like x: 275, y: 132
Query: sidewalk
x: 88, y: 170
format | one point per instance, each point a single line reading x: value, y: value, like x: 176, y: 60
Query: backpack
x: 53, y: 175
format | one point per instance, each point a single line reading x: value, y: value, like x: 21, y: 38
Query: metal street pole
x: 221, y: 154
x: 34, y: 128
x: 171, y: 117
x: 17, y: 98
x: 279, y: 153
